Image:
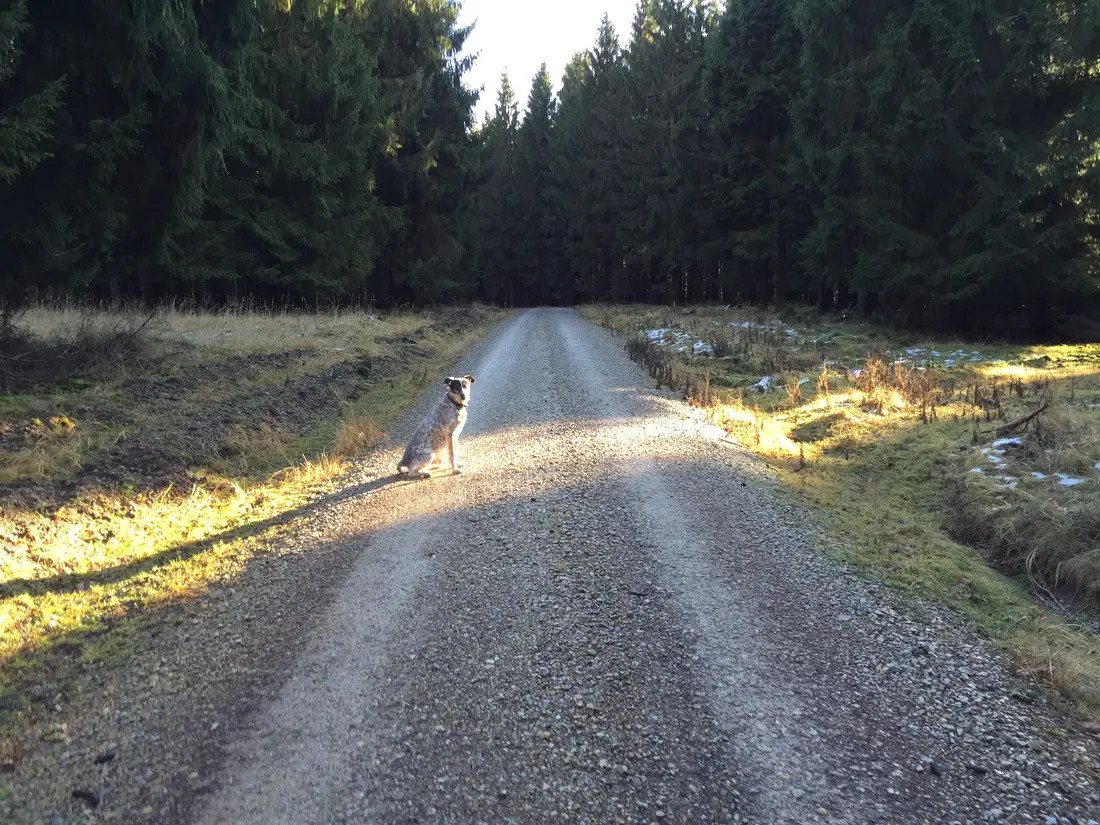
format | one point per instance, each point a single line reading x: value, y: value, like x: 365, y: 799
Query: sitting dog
x: 439, y: 431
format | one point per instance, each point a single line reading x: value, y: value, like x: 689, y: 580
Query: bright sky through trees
x: 517, y: 35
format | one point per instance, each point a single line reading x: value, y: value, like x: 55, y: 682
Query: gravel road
x: 611, y: 617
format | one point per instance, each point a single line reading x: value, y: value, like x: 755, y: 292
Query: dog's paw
x: 457, y: 470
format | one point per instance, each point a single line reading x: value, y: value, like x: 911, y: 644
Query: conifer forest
x: 931, y: 163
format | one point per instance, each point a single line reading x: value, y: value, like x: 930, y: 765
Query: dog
x: 439, y: 432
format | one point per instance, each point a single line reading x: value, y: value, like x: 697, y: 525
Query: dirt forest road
x: 610, y: 617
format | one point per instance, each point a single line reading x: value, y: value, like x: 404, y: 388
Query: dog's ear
x: 447, y: 381
x: 470, y: 378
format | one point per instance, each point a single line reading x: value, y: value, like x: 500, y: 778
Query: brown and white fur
x: 439, y: 432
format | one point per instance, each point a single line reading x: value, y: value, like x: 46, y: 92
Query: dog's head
x: 458, y: 389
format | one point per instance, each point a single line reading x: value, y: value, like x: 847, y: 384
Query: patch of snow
x: 1004, y: 442
x: 977, y: 470
x: 764, y: 384
x: 857, y: 373
x: 1068, y: 481
x: 1039, y: 475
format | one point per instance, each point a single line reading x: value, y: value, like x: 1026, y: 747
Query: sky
x: 518, y: 35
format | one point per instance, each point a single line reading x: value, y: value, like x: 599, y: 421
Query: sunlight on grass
x: 77, y: 572
x: 236, y: 331
x: 118, y: 551
x: 891, y: 438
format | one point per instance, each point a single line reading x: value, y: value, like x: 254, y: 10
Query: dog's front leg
x: 452, y: 445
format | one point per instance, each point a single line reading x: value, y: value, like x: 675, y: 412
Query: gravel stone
x: 612, y: 616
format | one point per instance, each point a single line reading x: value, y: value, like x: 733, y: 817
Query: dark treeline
x: 278, y: 150
x: 930, y: 161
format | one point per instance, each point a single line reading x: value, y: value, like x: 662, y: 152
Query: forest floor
x: 964, y: 473
x: 145, y: 457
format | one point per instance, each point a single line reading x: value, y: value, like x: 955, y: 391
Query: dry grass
x: 58, y: 444
x: 886, y: 450
x: 1029, y: 523
x: 356, y: 434
x: 226, y: 333
x: 224, y: 423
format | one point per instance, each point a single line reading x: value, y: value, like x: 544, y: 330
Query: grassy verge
x: 141, y: 458
x: 965, y: 474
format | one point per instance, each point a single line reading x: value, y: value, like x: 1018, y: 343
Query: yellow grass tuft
x: 356, y: 434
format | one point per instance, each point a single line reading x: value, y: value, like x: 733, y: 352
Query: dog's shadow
x: 70, y: 582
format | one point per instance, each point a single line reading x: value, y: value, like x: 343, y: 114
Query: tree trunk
x: 779, y: 267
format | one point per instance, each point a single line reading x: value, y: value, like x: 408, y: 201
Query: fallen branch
x: 136, y: 332
x: 1015, y: 425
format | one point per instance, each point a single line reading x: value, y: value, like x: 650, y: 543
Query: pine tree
x: 690, y: 162
x: 638, y: 162
x: 936, y: 145
x: 661, y: 156
x: 427, y: 172
x: 150, y: 102
x: 597, y: 254
x: 497, y: 204
x: 294, y: 216
x: 533, y: 171
x: 753, y: 74
x: 26, y: 123
x: 565, y: 210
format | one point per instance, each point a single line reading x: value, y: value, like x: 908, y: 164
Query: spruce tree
x: 753, y: 73
x: 661, y: 158
x: 533, y: 171
x: 499, y: 228
x: 294, y: 215
x: 599, y: 255
x: 427, y: 172
x: 26, y: 124
x: 936, y: 142
x: 565, y: 210
x: 150, y: 102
